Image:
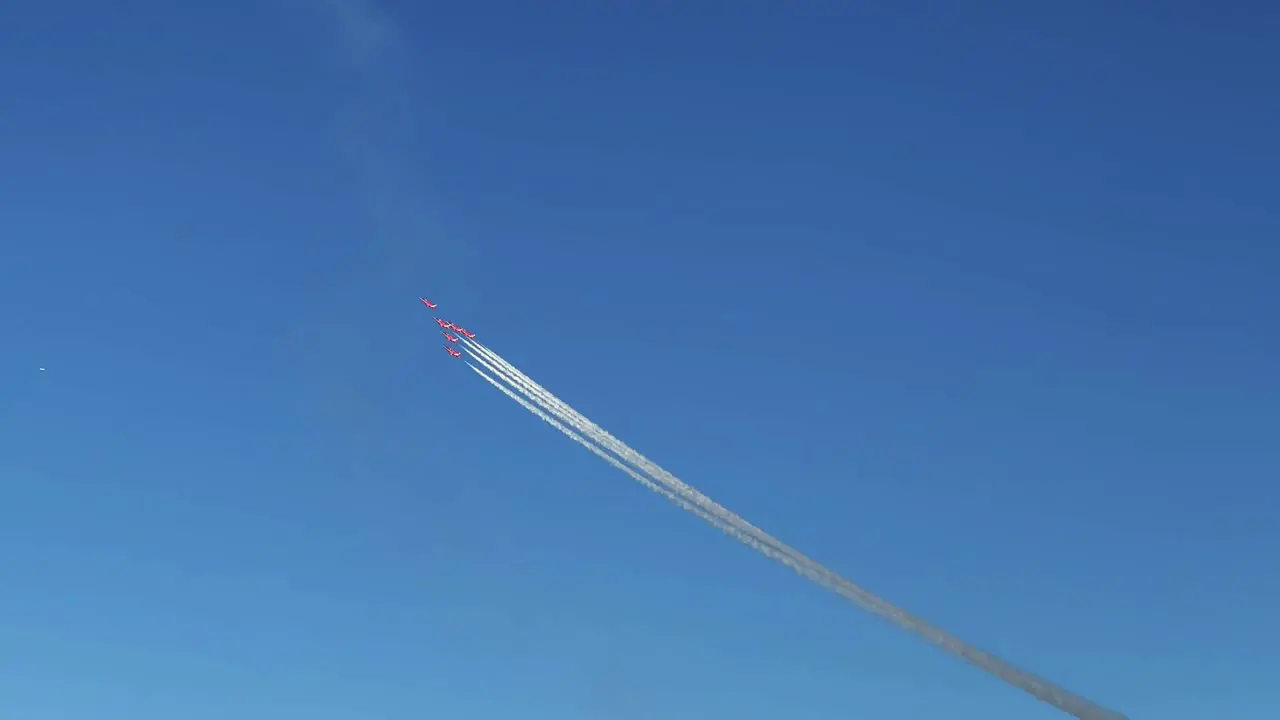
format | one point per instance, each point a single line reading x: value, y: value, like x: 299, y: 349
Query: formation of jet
x: 446, y: 326
x: 596, y: 440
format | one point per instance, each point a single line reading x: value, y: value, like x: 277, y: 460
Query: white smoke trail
x: 570, y: 418
x: 568, y: 415
x: 735, y: 532
x: 684, y: 504
x: 735, y: 526
x: 562, y: 410
x: 600, y: 435
x: 497, y: 368
x: 672, y: 497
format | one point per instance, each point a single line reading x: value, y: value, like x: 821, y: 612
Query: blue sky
x: 976, y: 305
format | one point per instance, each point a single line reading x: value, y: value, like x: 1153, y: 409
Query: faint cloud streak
x: 374, y: 120
x: 365, y: 33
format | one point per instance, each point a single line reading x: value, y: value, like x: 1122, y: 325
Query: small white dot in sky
x: 42, y: 370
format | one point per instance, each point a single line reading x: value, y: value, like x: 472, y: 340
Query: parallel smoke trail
x: 566, y: 413
x: 733, y: 525
x: 684, y: 504
x: 675, y: 499
x: 705, y: 505
x: 601, y: 436
x: 502, y: 369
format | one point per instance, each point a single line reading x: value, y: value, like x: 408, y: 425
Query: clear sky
x: 976, y: 303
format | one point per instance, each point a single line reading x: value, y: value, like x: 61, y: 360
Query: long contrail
x: 600, y: 435
x: 690, y: 499
x: 676, y: 499
x: 714, y: 521
x: 568, y: 415
x: 526, y: 385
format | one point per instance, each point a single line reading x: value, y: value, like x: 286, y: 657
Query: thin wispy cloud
x: 375, y: 133
x: 364, y: 32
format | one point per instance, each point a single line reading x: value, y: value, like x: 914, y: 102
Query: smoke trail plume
x: 725, y: 520
x: 597, y: 433
x: 594, y: 448
x: 568, y: 415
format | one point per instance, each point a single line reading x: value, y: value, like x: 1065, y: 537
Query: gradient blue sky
x: 975, y: 302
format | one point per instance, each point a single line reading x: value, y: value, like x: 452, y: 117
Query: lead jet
x: 451, y: 351
x: 428, y: 303
x: 449, y: 337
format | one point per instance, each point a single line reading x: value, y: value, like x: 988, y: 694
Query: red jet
x: 449, y: 337
x: 470, y: 335
x: 444, y: 324
x: 428, y: 303
x: 452, y: 352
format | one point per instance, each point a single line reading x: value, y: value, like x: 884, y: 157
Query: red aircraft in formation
x: 445, y: 326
